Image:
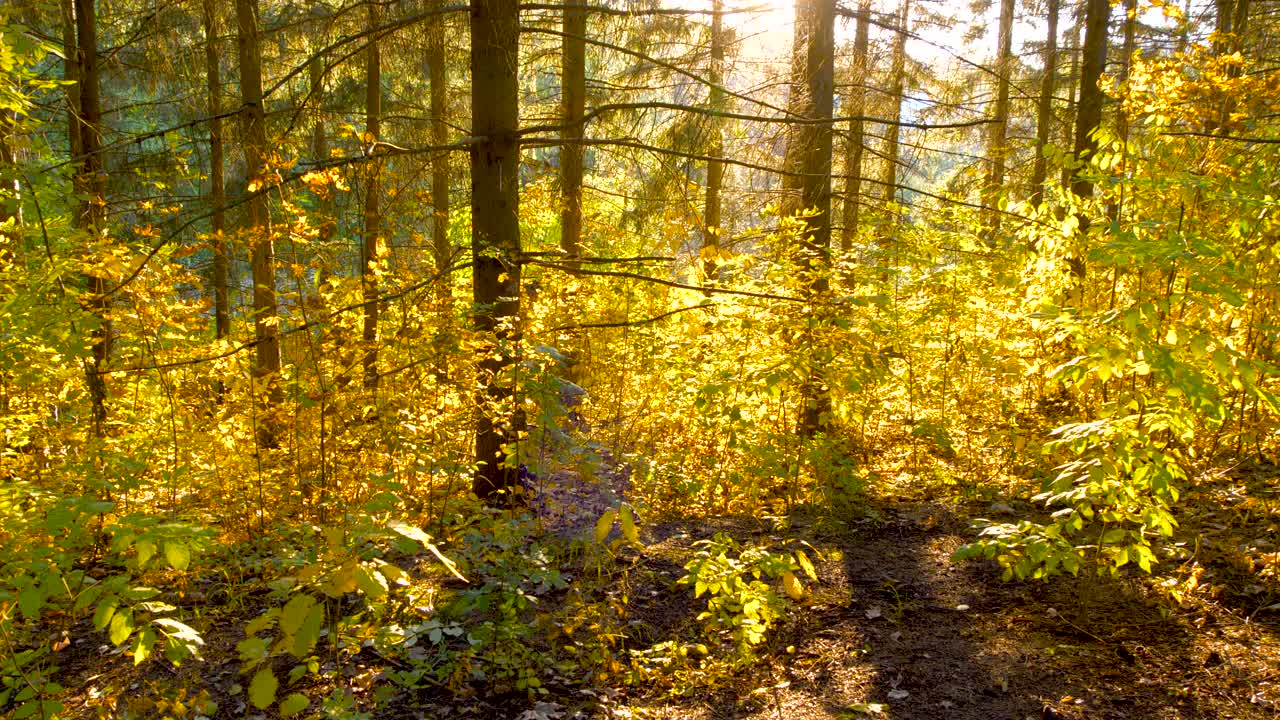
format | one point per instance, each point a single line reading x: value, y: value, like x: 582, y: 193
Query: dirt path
x: 898, y: 630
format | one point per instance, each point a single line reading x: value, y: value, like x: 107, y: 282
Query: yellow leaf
x: 605, y: 524
x: 806, y: 565
x: 628, y: 525
x: 792, y: 585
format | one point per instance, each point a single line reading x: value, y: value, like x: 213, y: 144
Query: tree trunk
x: 437, y: 70
x: 573, y: 97
x: 711, y: 220
x: 92, y: 184
x: 372, y: 250
x: 495, y: 237
x: 889, y: 178
x: 1088, y: 117
x: 996, y: 142
x: 71, y: 76
x: 1089, y: 113
x: 854, y: 147
x: 1073, y: 94
x: 1116, y: 207
x: 320, y: 149
x: 217, y: 189
x: 815, y: 195
x: 265, y: 313
x: 1044, y: 106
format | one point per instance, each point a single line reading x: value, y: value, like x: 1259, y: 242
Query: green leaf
x: 294, y: 613
x: 309, y: 634
x: 293, y: 705
x: 121, y: 627
x: 142, y: 645
x: 371, y: 582
x: 146, y: 550
x: 105, y: 611
x: 30, y: 601
x: 178, y: 555
x: 262, y: 689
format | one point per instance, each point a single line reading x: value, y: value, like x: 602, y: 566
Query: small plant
x: 740, y: 603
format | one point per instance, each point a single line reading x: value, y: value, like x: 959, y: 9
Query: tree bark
x: 815, y: 193
x: 1073, y: 93
x: 996, y: 142
x: 91, y: 182
x: 265, y: 311
x: 217, y: 185
x: 808, y: 183
x: 1088, y: 117
x: 495, y: 237
x: 1116, y: 207
x: 854, y: 147
x: 889, y: 178
x: 1044, y: 105
x: 320, y: 148
x: 573, y: 97
x: 439, y: 78
x: 371, y: 250
x: 1089, y: 113
x: 711, y: 220
x: 71, y: 76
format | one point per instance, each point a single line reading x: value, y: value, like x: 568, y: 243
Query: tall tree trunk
x: 320, y: 148
x: 815, y: 191
x: 1088, y: 117
x: 1231, y: 20
x: 573, y: 98
x: 889, y: 178
x: 711, y: 220
x: 495, y: 236
x: 1089, y: 113
x: 1044, y: 105
x: 71, y: 76
x: 999, y: 128
x: 854, y: 147
x: 217, y: 189
x: 371, y: 251
x: 437, y: 70
x: 1116, y: 207
x: 92, y: 183
x: 1073, y: 93
x: 263, y: 261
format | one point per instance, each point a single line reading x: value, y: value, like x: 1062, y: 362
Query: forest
x: 640, y: 359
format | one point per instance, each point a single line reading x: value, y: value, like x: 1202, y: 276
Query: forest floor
x: 893, y: 628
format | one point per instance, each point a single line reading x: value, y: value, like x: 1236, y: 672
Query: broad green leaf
x: 294, y: 613
x: 121, y: 627
x: 262, y: 689
x: 178, y: 555
x: 309, y: 633
x: 293, y: 704
x: 370, y: 582
x: 105, y: 611
x: 30, y: 601
x: 142, y: 645
x: 146, y: 550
